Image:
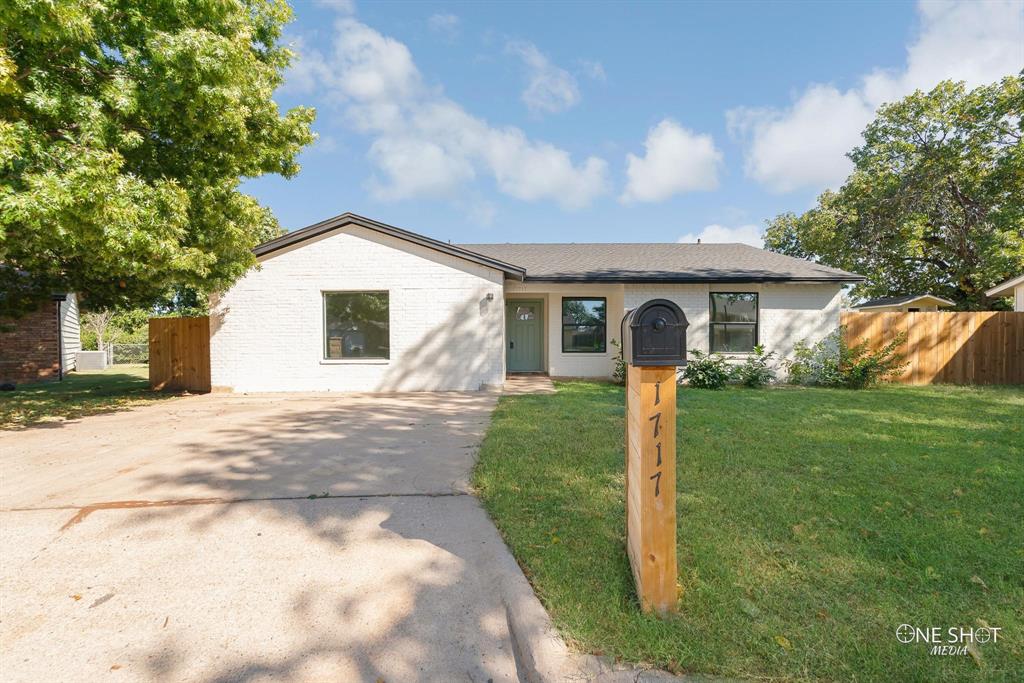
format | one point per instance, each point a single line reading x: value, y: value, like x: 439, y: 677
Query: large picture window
x: 583, y: 325
x: 356, y: 325
x: 733, y: 322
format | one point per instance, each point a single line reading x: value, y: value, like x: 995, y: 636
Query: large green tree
x: 935, y: 203
x: 126, y: 127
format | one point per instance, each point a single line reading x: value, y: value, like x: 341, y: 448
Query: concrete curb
x: 541, y: 654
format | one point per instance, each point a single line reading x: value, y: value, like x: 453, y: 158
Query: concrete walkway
x: 227, y: 538
x: 528, y: 384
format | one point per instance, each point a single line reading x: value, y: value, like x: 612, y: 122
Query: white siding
x: 267, y: 330
x: 1018, y: 298
x: 70, y: 334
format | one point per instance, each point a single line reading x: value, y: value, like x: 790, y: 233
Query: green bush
x: 619, y: 373
x: 706, y: 371
x: 831, y: 362
x: 755, y: 370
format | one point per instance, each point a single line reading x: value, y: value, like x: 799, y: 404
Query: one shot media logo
x: 951, y: 641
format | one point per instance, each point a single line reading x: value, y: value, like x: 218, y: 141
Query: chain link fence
x: 127, y: 354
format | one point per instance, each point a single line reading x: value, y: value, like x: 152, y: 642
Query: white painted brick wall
x: 267, y: 331
x: 787, y: 312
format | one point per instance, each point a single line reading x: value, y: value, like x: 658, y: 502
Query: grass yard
x: 79, y: 395
x: 812, y: 523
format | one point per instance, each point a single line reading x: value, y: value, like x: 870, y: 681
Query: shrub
x: 619, y: 373
x: 831, y: 362
x: 755, y: 370
x: 706, y: 371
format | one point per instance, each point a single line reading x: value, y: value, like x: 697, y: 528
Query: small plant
x: 619, y: 373
x: 755, y: 371
x: 863, y: 368
x: 831, y: 362
x: 706, y: 371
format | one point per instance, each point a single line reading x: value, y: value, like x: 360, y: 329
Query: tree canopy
x: 935, y: 203
x: 126, y: 127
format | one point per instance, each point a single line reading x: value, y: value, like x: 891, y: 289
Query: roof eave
x: 688, y: 279
x: 331, y: 224
x: 906, y: 302
x: 1005, y: 288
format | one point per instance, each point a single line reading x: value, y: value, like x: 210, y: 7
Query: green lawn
x: 812, y: 523
x: 80, y: 394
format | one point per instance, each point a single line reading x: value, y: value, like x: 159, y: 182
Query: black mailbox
x: 654, y: 333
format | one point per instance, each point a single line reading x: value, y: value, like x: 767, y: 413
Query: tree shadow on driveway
x: 393, y: 577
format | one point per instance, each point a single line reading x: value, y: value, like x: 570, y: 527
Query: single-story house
x: 352, y: 304
x: 1013, y: 287
x: 41, y: 344
x: 905, y: 303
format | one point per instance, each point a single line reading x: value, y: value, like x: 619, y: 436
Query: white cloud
x: 746, y: 234
x: 446, y: 25
x: 805, y: 144
x: 676, y: 160
x: 550, y: 88
x: 427, y: 145
x: 593, y: 70
x: 423, y: 168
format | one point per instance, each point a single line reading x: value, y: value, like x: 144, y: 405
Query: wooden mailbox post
x: 653, y: 345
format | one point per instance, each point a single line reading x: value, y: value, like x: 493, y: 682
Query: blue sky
x: 575, y: 122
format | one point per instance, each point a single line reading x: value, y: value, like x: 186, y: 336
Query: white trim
x: 355, y: 361
x: 1006, y: 288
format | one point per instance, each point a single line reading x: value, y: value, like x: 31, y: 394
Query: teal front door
x: 524, y: 331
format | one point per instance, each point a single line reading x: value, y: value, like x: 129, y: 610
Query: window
x: 733, y: 322
x: 525, y: 313
x: 583, y: 325
x: 356, y: 325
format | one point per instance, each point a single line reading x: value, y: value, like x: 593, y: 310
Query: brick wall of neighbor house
x: 267, y: 332
x: 29, y: 352
x: 787, y: 312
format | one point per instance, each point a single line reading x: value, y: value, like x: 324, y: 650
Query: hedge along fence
x: 179, y: 354
x: 947, y: 348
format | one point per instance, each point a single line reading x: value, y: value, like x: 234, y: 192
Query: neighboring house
x: 42, y: 344
x: 351, y: 304
x: 1013, y: 287
x: 907, y: 303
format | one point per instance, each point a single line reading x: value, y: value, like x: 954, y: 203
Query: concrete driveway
x: 224, y: 538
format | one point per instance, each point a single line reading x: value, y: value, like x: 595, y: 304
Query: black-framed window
x: 733, y: 322
x: 356, y: 325
x: 584, y: 320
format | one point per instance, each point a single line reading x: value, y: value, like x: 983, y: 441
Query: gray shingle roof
x: 598, y: 262
x: 671, y: 262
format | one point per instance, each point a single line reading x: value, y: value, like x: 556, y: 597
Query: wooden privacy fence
x: 948, y: 348
x: 179, y: 354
